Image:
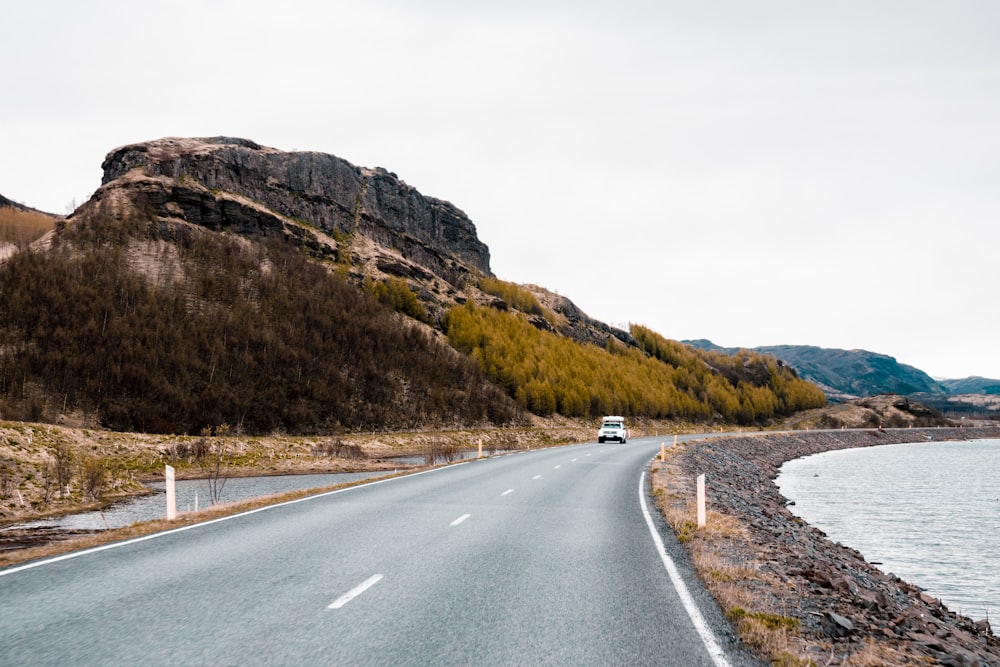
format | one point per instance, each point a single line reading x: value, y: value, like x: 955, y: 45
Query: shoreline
x: 828, y: 602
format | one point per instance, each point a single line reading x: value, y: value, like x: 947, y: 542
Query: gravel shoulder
x: 794, y: 596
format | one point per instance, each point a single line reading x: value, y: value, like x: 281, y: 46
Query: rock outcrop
x: 238, y: 185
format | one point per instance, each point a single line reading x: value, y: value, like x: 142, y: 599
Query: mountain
x: 9, y: 203
x: 217, y: 281
x: 850, y: 374
x: 212, y: 281
x: 972, y: 385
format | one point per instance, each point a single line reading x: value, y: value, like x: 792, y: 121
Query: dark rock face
x: 319, y: 189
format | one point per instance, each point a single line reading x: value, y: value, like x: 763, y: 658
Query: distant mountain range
x: 847, y: 374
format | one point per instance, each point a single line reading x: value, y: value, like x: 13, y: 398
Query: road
x: 544, y: 557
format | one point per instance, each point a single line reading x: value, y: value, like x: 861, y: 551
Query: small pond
x: 191, y: 495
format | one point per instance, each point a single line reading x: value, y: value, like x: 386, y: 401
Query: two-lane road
x: 542, y: 557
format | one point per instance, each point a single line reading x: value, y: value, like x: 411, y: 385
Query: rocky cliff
x: 238, y: 185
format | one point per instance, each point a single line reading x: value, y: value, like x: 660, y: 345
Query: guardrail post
x: 171, y: 495
x: 701, y: 500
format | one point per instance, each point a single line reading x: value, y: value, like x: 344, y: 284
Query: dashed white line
x: 573, y: 461
x: 204, y: 524
x: 536, y: 477
x: 507, y: 491
x: 355, y: 592
x: 460, y: 519
x: 557, y: 467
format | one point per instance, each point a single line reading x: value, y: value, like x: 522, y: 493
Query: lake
x: 191, y: 494
x: 927, y: 512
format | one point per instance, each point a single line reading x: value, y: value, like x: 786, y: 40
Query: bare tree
x: 213, y: 464
x: 63, y: 470
x: 93, y: 477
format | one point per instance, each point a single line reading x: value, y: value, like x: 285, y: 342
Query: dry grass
x: 27, y: 455
x: 720, y: 553
x: 142, y: 529
x: 22, y: 227
x: 727, y: 563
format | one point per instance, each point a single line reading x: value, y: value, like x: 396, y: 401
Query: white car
x: 613, y: 428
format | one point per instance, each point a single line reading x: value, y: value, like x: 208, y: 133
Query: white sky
x: 752, y: 172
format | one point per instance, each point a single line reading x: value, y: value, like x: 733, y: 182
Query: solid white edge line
x: 355, y: 592
x: 459, y: 520
x: 707, y: 636
x: 181, y: 529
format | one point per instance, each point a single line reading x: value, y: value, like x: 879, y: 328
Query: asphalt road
x: 544, y: 557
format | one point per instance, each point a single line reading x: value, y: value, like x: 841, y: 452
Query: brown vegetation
x: 101, y: 466
x: 253, y: 334
x: 21, y: 227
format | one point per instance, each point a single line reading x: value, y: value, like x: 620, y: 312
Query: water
x: 927, y: 512
x: 191, y: 494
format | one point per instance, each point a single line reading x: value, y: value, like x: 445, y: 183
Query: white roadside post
x: 171, y: 495
x: 480, y: 448
x: 701, y: 500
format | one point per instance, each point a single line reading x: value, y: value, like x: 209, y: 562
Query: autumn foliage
x: 547, y: 373
x: 158, y: 327
x: 22, y: 226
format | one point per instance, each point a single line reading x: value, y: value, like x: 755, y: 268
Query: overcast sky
x: 755, y: 173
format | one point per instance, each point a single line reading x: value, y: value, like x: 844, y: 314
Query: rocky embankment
x: 841, y: 602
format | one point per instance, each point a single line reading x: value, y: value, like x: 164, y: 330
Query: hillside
x: 845, y: 374
x: 213, y: 282
x: 20, y: 225
x: 972, y: 385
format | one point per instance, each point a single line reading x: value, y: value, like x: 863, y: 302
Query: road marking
x: 507, y: 491
x: 460, y: 519
x: 588, y: 454
x: 202, y: 524
x: 536, y: 477
x: 557, y: 467
x: 573, y: 461
x: 355, y: 592
x: 707, y: 636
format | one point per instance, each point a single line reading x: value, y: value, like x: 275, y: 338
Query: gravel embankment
x: 841, y: 602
